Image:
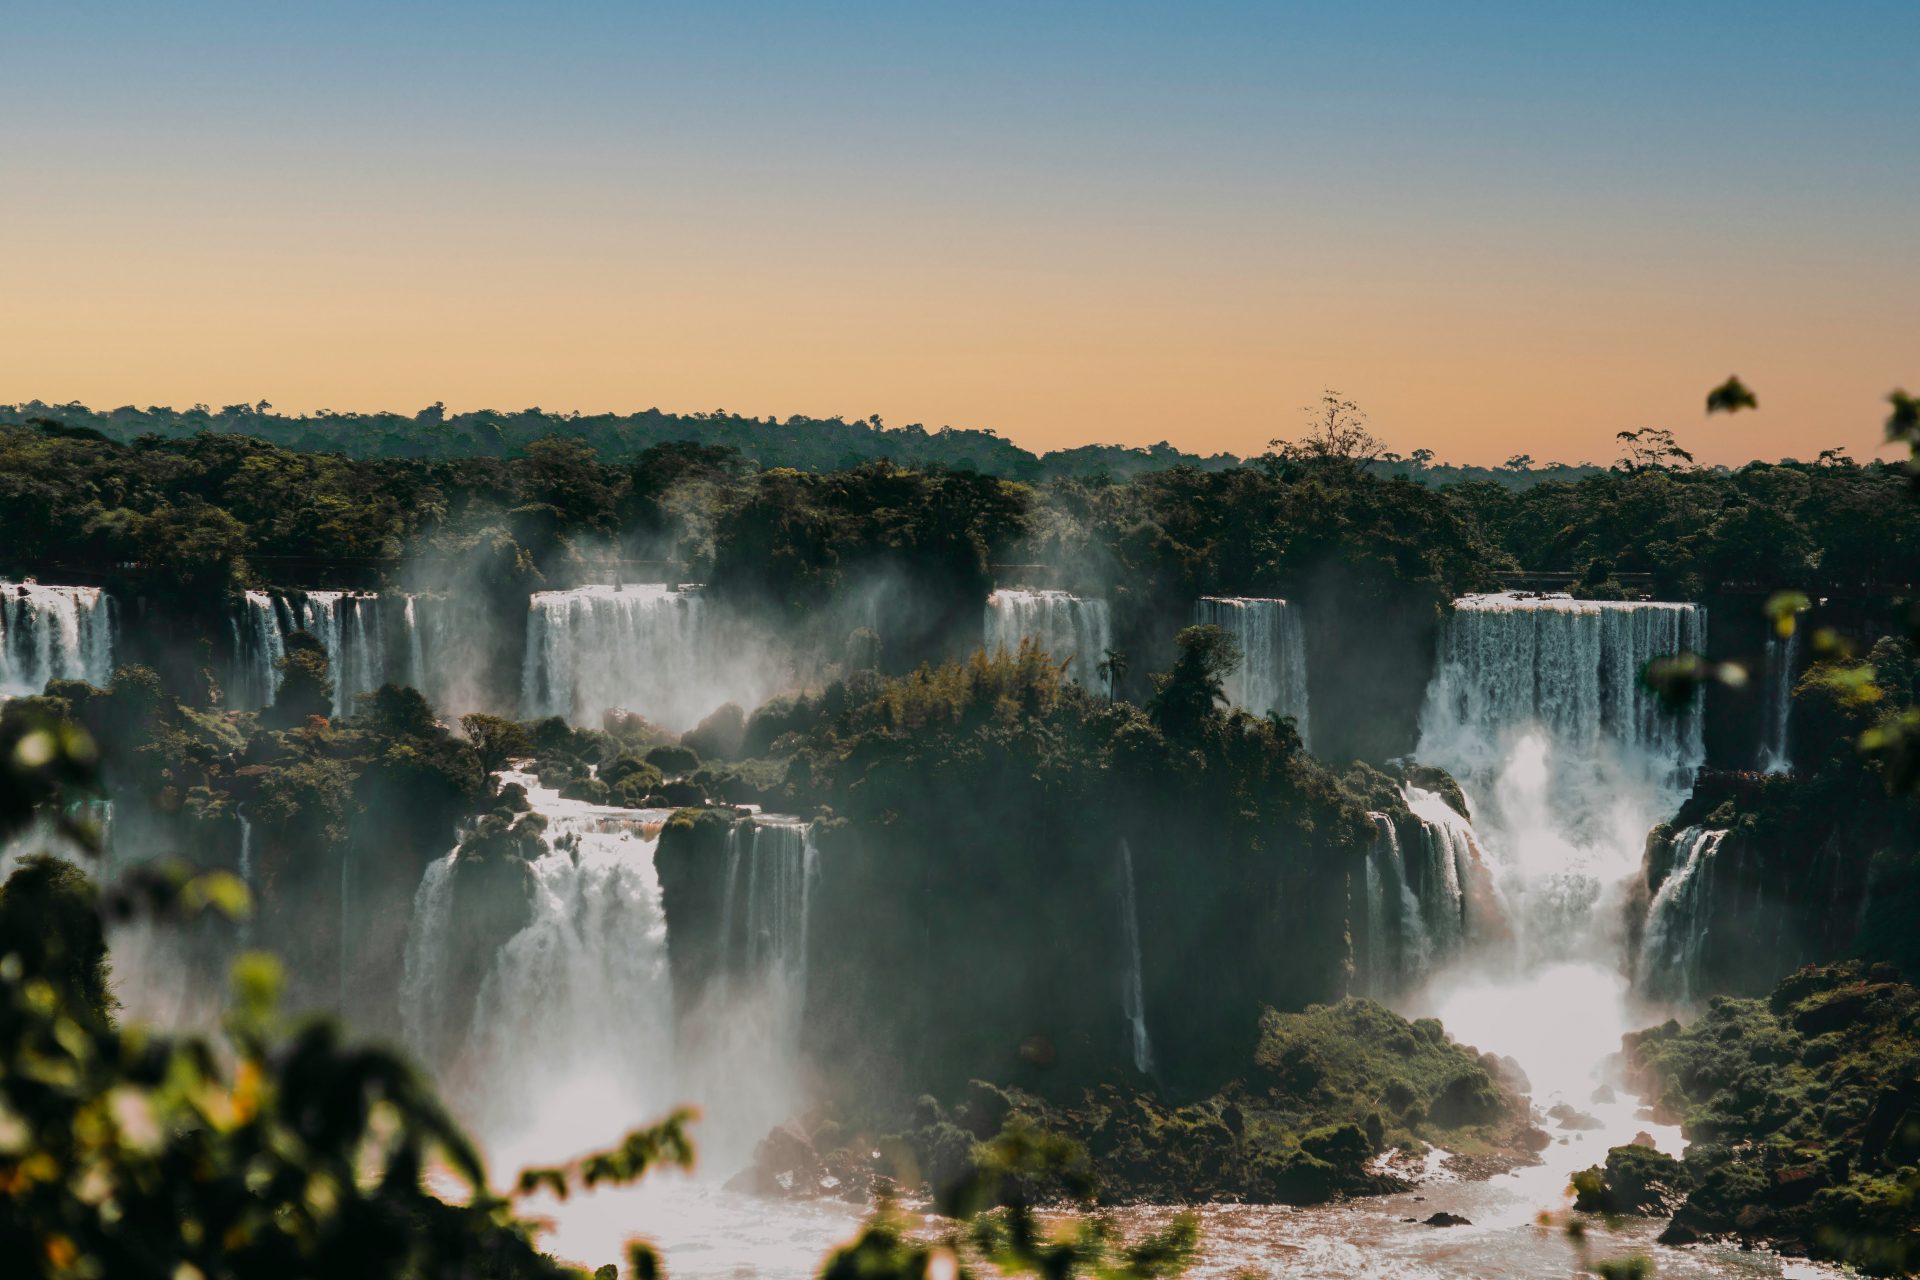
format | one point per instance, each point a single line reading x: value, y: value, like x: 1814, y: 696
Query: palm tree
x: 1112, y: 669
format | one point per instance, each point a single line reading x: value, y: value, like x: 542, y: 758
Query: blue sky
x: 1069, y: 222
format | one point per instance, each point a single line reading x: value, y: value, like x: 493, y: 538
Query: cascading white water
x: 1668, y: 966
x: 740, y: 1043
x: 246, y: 873
x: 665, y: 653
x: 347, y: 625
x: 1448, y: 860
x: 1418, y: 901
x: 416, y: 642
x: 258, y: 646
x: 580, y: 1003
x: 1133, y: 985
x: 1068, y: 628
x: 1782, y: 654
x: 1399, y: 951
x: 571, y: 1034
x: 772, y: 867
x: 427, y: 1019
x: 1536, y: 707
x: 443, y: 644
x: 1272, y: 675
x: 53, y: 633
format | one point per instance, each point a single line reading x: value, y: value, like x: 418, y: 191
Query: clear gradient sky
x: 1500, y: 227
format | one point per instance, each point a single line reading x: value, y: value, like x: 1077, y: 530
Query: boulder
x: 1571, y: 1118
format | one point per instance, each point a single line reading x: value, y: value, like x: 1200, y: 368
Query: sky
x: 1500, y: 228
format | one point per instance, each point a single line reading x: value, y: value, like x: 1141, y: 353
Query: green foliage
x: 290, y: 1152
x: 1355, y: 1059
x: 589, y: 789
x: 1636, y: 1180
x: 129, y: 1154
x: 1792, y: 526
x: 496, y: 740
x: 305, y: 683
x: 50, y: 931
x: 1299, y: 1127
x: 675, y: 760
x: 1676, y: 679
x: 394, y: 711
x: 1184, y: 697
x: 1804, y: 1114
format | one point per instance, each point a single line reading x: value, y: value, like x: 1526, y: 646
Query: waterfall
x: 1421, y: 899
x: 1536, y: 707
x: 772, y: 867
x: 1676, y: 934
x: 579, y: 1000
x: 416, y: 644
x: 1537, y: 710
x: 426, y: 982
x: 246, y: 872
x: 1272, y: 675
x: 1448, y: 857
x: 1399, y: 951
x: 1571, y: 667
x: 347, y: 625
x: 53, y: 633
x: 1133, y: 990
x: 362, y: 658
x: 258, y: 648
x: 1781, y: 656
x: 1068, y: 628
x: 664, y: 653
x: 442, y: 644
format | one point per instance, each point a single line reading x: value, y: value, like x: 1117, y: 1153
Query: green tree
x: 306, y: 682
x: 1184, y: 697
x: 1335, y: 432
x: 50, y: 926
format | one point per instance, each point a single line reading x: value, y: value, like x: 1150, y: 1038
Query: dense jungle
x: 510, y: 845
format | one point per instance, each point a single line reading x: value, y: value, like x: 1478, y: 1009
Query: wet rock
x: 1635, y: 1180
x: 1571, y: 1118
x: 789, y: 1164
x: 1642, y: 1139
x: 1603, y: 1095
x: 1445, y: 1219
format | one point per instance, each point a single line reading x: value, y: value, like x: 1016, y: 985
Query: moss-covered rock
x: 1303, y: 1127
x: 1636, y: 1180
x: 1804, y: 1113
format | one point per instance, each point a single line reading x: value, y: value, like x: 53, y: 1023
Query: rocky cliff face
x: 1758, y: 875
